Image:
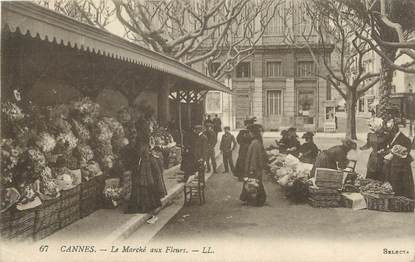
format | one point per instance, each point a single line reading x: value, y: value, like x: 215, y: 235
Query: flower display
x: 66, y: 141
x: 84, y: 153
x: 86, y: 107
x: 48, y: 187
x: 80, y: 131
x: 27, y: 193
x: 12, y: 112
x: 10, y: 154
x: 90, y: 170
x: 400, y: 151
x: 102, y: 131
x: 46, y: 142
x: 36, y: 161
x: 60, y: 125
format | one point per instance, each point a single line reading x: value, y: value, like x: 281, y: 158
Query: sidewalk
x: 111, y: 225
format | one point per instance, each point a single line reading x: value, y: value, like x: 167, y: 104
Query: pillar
x: 257, y: 97
x: 163, y: 101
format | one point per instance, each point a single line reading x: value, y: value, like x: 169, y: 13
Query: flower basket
x: 69, y: 215
x: 374, y: 202
x: 22, y: 224
x: 47, y: 214
x: 401, y: 204
x: 47, y: 231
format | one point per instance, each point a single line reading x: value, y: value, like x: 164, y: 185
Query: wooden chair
x: 194, y: 188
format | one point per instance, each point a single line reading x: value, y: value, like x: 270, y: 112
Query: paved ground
x: 224, y: 217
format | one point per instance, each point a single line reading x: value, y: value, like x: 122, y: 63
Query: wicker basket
x: 22, y: 224
x: 89, y: 188
x: 69, y: 215
x: 375, y: 202
x: 401, y: 204
x: 5, y: 223
x: 47, y: 231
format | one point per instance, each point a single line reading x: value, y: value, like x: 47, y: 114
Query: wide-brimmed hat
x: 349, y: 143
x: 308, y: 135
x: 283, y: 132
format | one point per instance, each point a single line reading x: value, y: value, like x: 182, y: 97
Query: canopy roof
x: 30, y: 18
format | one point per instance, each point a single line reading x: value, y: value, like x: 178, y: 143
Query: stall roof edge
x: 37, y: 20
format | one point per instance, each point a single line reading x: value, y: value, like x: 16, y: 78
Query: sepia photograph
x: 207, y: 130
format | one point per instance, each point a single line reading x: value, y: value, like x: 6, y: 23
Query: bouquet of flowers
x: 27, y: 193
x: 113, y: 194
x: 12, y: 112
x: 399, y: 151
x: 46, y: 142
x: 81, y: 131
x: 48, y: 187
x: 66, y: 142
x: 10, y: 154
x: 33, y: 161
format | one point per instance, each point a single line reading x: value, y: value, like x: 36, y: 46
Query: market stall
x: 333, y: 188
x: 71, y: 94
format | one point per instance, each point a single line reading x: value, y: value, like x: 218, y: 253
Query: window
x: 328, y: 91
x: 305, y: 102
x: 305, y: 69
x: 243, y: 70
x: 213, y: 102
x: 274, y: 102
x: 274, y: 69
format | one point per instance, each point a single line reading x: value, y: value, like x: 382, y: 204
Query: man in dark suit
x: 212, y: 140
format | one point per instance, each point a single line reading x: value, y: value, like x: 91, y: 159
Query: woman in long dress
x: 255, y: 165
x: 244, y: 139
x: 397, y: 166
x: 147, y: 186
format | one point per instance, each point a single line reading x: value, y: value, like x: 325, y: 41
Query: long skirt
x: 375, y: 167
x: 260, y: 198
x: 240, y: 162
x: 399, y: 175
x: 146, y: 190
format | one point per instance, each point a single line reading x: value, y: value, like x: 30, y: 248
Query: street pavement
x: 223, y: 217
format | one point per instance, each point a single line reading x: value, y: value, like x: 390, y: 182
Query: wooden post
x: 189, y: 109
x: 179, y: 104
x: 163, y: 100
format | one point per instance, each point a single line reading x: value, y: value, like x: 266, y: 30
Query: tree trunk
x: 386, y: 85
x: 351, y: 102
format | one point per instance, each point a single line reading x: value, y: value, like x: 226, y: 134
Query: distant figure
x: 208, y: 121
x: 244, y: 139
x: 200, y: 147
x: 227, y: 145
x: 283, y: 142
x: 335, y: 156
x: 217, y: 124
x: 293, y: 145
x: 308, y: 151
x: 212, y: 140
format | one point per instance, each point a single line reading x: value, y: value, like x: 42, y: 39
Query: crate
x: 89, y: 206
x: 375, y: 202
x: 401, y: 204
x: 22, y: 224
x: 323, y: 203
x: 69, y: 215
x: 47, y: 231
x: 47, y: 213
x: 328, y: 178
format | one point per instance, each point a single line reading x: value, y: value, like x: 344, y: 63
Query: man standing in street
x: 212, y: 140
x: 217, y: 124
x: 227, y: 145
x: 208, y: 121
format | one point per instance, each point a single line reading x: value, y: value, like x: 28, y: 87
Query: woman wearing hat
x: 335, y: 156
x: 244, y: 139
x: 255, y: 165
x: 293, y: 145
x: 397, y: 164
x: 308, y: 150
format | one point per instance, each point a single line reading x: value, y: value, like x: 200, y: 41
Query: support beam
x: 163, y: 100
